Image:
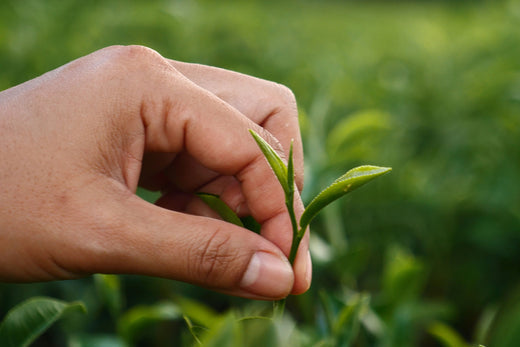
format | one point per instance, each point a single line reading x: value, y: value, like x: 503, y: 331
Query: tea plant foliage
x: 285, y: 173
x: 29, y: 319
x: 221, y: 208
x: 353, y: 179
x: 139, y: 318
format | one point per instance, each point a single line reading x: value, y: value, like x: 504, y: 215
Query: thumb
x: 150, y: 240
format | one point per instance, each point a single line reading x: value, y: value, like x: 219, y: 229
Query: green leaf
x: 96, y: 340
x: 225, y: 332
x: 290, y: 172
x: 403, y: 276
x: 353, y: 179
x: 289, y: 202
x: 347, y: 136
x: 250, y: 223
x: 486, y: 323
x: 191, y: 328
x: 274, y: 160
x: 197, y: 311
x: 347, y: 325
x: 259, y: 332
x: 28, y: 320
x: 446, y: 335
x: 150, y: 196
x: 137, y: 319
x: 221, y: 208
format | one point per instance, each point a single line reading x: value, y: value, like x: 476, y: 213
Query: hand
x: 77, y: 141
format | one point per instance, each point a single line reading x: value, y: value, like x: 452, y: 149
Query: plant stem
x: 294, y: 246
x: 278, y: 308
x: 295, y: 239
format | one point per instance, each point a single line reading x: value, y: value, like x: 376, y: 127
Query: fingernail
x: 308, y: 270
x: 268, y: 275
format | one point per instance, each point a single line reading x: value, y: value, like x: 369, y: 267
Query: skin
x: 77, y: 141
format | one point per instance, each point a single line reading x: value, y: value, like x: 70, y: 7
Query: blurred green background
x: 427, y: 255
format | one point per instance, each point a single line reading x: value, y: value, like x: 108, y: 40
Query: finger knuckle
x: 215, y: 259
x: 286, y: 94
x: 136, y: 53
x: 129, y: 61
x: 281, y: 103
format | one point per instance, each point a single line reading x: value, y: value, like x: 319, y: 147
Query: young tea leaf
x: 28, y: 320
x: 290, y: 171
x: 274, y: 160
x: 289, y: 202
x: 353, y: 179
x: 221, y: 208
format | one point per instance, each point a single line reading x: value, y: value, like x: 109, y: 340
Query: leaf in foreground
x: 221, y: 208
x: 274, y: 160
x: 353, y: 179
x: 28, y: 320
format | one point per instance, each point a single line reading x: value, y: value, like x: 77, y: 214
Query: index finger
x: 268, y: 104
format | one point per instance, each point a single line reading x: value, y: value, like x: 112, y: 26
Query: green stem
x: 295, y: 244
x: 278, y: 308
x: 295, y: 239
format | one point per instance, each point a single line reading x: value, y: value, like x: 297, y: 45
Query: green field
x: 427, y: 255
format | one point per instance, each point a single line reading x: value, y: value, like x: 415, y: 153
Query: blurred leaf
x: 109, y: 288
x: 373, y: 323
x: 353, y: 179
x: 408, y: 316
x: 485, y: 324
x: 334, y: 224
x: 265, y: 331
x: 28, y: 320
x: 191, y: 328
x: 403, y: 276
x: 221, y: 208
x: 321, y: 251
x: 446, y: 335
x: 259, y: 332
x: 344, y: 316
x: 505, y: 331
x: 346, y: 326
x: 288, y: 331
x: 96, y: 340
x: 196, y: 311
x: 330, y: 308
x: 224, y: 332
x: 354, y: 128
x: 139, y: 318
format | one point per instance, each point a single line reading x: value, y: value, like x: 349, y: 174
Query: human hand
x: 77, y: 141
